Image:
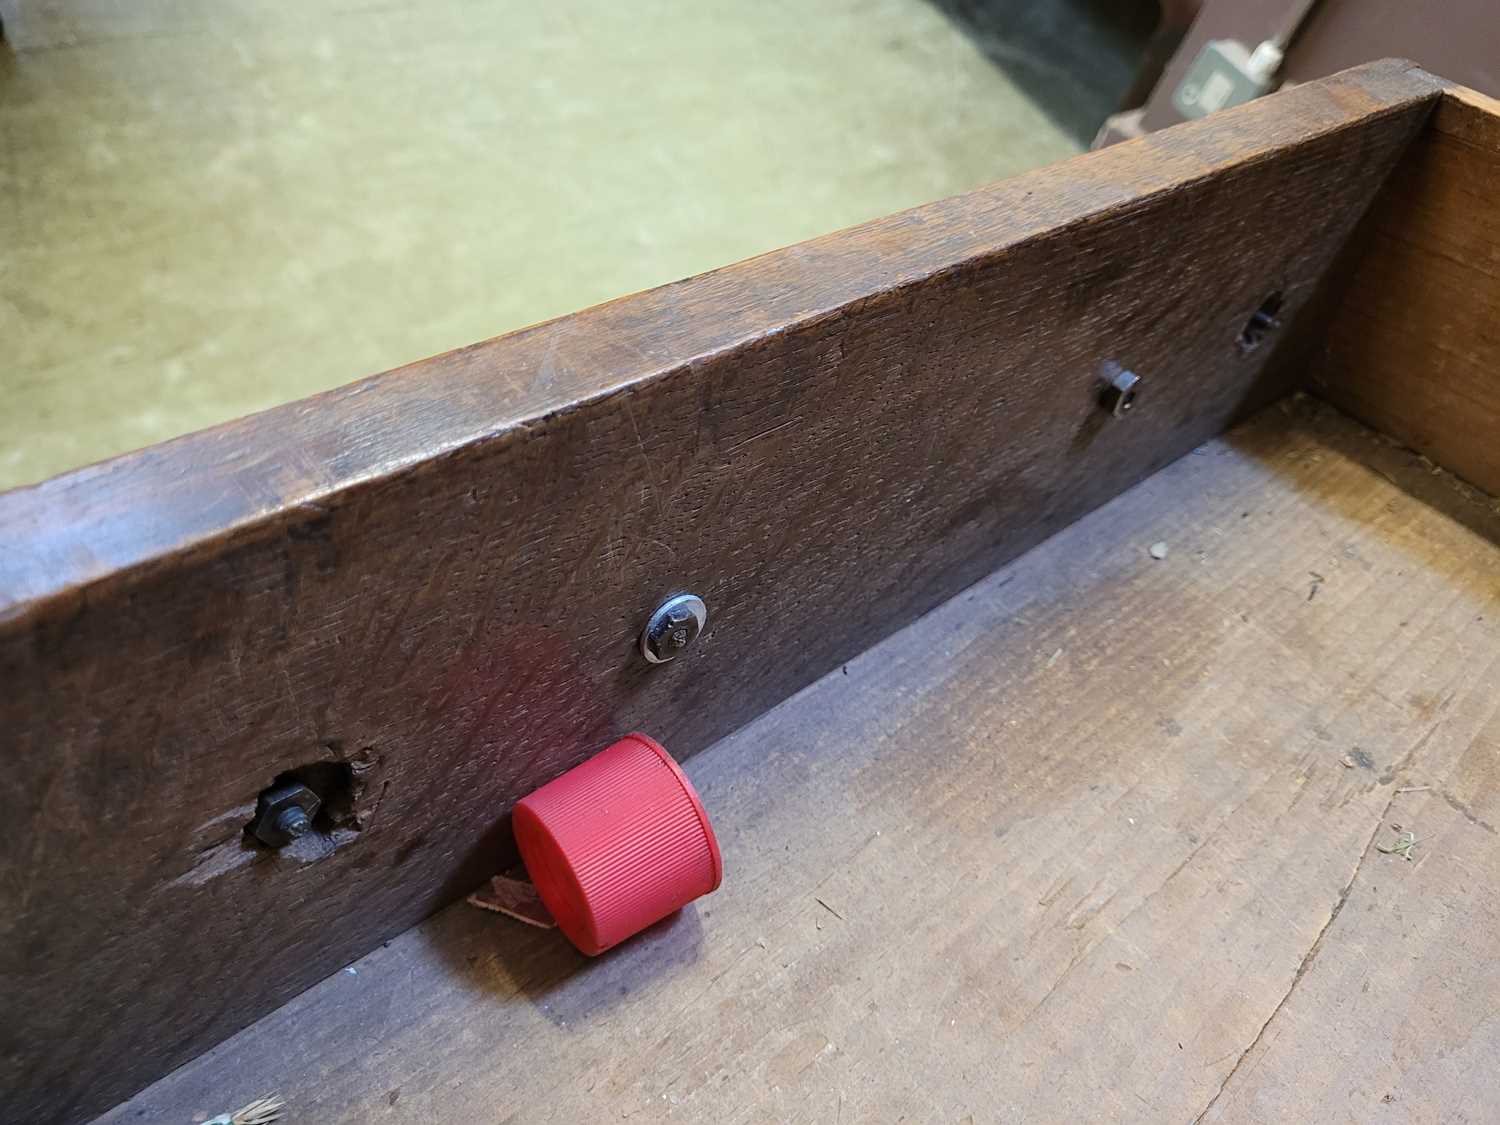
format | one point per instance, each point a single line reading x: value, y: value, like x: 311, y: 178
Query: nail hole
x: 1263, y: 321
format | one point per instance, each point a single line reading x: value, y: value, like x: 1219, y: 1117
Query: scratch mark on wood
x: 828, y: 908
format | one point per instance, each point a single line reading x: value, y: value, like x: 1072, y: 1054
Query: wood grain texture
x: 436, y: 577
x: 1080, y: 845
x: 1399, y: 1013
x: 1414, y: 349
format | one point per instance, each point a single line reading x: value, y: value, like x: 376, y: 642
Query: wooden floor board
x: 1400, y: 1009
x: 1099, y: 839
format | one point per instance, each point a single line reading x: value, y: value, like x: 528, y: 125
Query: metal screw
x: 1121, y: 388
x: 283, y: 813
x: 673, y: 627
x: 292, y: 822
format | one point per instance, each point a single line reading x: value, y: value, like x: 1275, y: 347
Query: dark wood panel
x: 1414, y: 349
x: 436, y: 577
x: 1103, y: 862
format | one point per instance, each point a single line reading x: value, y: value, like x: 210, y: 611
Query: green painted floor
x: 208, y: 210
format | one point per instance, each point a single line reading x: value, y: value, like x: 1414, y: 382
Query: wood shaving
x: 515, y: 898
x: 262, y: 1111
x: 1402, y: 847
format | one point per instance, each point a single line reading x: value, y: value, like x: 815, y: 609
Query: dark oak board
x: 435, y: 578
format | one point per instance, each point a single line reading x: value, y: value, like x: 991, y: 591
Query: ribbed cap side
x: 617, y: 843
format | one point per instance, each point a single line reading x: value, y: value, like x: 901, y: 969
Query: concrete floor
x: 208, y: 211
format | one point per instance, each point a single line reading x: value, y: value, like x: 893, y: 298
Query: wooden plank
x: 434, y: 579
x: 1415, y: 347
x: 1057, y: 852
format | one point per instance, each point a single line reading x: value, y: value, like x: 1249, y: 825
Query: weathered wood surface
x: 437, y: 576
x: 1415, y: 347
x: 1080, y: 845
x: 1399, y: 1014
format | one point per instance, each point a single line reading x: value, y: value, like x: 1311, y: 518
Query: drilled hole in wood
x: 1263, y: 321
x: 333, y: 782
x: 324, y: 795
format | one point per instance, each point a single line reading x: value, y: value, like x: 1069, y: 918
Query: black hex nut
x: 284, y: 812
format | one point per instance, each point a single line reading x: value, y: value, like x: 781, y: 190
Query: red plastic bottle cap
x: 617, y: 843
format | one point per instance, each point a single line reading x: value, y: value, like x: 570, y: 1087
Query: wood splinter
x: 515, y: 898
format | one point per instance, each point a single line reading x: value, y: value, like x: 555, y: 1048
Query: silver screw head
x: 1121, y: 387
x: 673, y: 627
